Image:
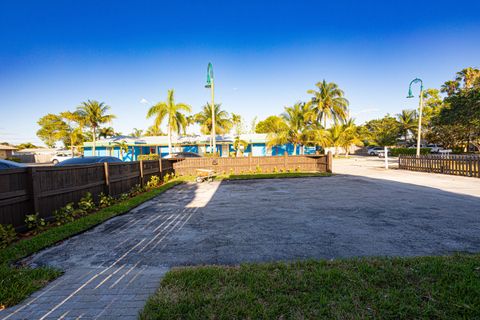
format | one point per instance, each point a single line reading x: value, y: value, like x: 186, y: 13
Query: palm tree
x: 450, y: 87
x: 239, y: 146
x: 469, y: 76
x: 106, y: 132
x: 328, y: 103
x: 237, y: 123
x: 154, y: 131
x: 137, y: 133
x: 123, y: 146
x: 176, y: 120
x: 190, y: 120
x: 350, y: 136
x: 407, y: 121
x: 223, y: 124
x: 296, y: 130
x: 93, y: 114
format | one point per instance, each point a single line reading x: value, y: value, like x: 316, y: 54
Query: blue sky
x: 266, y: 54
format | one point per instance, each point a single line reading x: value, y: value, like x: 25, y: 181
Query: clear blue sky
x: 266, y: 54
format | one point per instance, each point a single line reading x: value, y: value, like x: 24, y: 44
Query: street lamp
x: 410, y: 95
x: 210, y: 84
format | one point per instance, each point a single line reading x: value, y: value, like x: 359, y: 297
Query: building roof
x: 5, y: 147
x: 180, y: 140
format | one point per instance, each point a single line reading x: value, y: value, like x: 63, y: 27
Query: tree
x: 239, y: 146
x: 93, y: 115
x: 75, y: 136
x: 237, y: 124
x: 123, y: 146
x: 136, y: 133
x: 468, y: 76
x: 350, y: 136
x: 382, y: 132
x: 154, y: 130
x: 407, y: 123
x: 25, y: 145
x: 173, y: 112
x: 52, y: 129
x: 450, y: 87
x: 223, y: 123
x: 272, y: 124
x: 329, y: 103
x: 107, y: 132
x: 296, y: 130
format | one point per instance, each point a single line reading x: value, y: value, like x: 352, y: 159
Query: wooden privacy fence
x: 322, y: 163
x: 460, y: 165
x: 45, y: 189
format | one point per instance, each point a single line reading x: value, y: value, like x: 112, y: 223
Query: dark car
x: 87, y: 160
x: 6, y: 164
x: 182, y: 155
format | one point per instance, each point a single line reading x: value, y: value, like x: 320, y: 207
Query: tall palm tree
x: 469, y: 76
x: 450, y: 87
x: 106, y: 132
x: 296, y: 129
x: 176, y: 119
x: 237, y: 123
x: 407, y: 121
x: 93, y: 114
x: 329, y: 103
x: 350, y: 136
x: 154, y: 130
x: 223, y: 124
x: 123, y: 146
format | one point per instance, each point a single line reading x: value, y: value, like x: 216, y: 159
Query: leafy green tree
x: 330, y: 103
x: 75, y: 136
x: 136, y: 133
x: 407, y: 123
x: 382, y: 132
x: 272, y: 124
x: 25, y: 145
x: 107, y: 132
x: 52, y: 129
x: 350, y: 136
x: 93, y: 115
x: 223, y: 123
x: 173, y: 112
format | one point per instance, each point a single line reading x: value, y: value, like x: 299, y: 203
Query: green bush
x: 35, y: 223
x: 123, y: 197
x: 151, y: 156
x: 154, y: 182
x: 395, y: 152
x: 106, y: 200
x: 7, y: 235
x: 86, y: 204
x: 65, y: 214
x: 136, y: 189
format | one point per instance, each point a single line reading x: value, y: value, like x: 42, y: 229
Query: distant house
x: 6, y: 151
x: 257, y: 146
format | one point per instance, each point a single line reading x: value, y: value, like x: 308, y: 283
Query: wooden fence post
x: 35, y: 189
x: 160, y: 171
x: 250, y: 161
x: 107, y: 178
x: 285, y: 155
x: 329, y: 162
x: 141, y: 173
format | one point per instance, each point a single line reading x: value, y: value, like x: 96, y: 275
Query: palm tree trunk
x: 169, y: 140
x: 294, y: 149
x: 94, y: 140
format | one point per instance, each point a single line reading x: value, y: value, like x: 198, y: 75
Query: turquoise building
x: 257, y: 146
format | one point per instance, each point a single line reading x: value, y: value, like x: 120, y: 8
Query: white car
x: 434, y: 148
x: 60, y: 156
x: 374, y: 151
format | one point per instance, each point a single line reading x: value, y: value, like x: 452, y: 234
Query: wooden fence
x: 43, y: 190
x: 460, y: 165
x: 322, y: 163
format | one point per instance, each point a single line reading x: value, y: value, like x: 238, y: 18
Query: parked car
x: 374, y: 151
x: 434, y: 148
x: 6, y: 164
x: 87, y: 160
x: 381, y: 154
x: 182, y: 155
x: 61, y: 156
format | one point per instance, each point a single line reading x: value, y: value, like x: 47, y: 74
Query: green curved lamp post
x: 410, y: 95
x: 211, y: 84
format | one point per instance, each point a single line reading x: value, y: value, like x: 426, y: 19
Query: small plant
x: 297, y: 169
x: 258, y: 169
x: 231, y: 171
x: 123, y: 197
x: 35, y: 223
x: 65, y: 214
x: 7, y: 235
x: 166, y: 178
x: 86, y: 204
x: 137, y: 189
x: 154, y: 182
x: 275, y: 169
x: 289, y: 170
x: 106, y: 200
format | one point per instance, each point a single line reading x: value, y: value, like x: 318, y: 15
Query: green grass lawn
x: 383, y: 288
x: 18, y: 282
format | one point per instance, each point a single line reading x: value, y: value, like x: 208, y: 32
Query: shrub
x: 258, y: 169
x: 275, y: 169
x: 168, y: 177
x: 123, y: 197
x: 395, y: 152
x: 35, y: 223
x: 106, y: 200
x: 7, y: 235
x: 65, y: 214
x: 297, y: 169
x: 154, y: 182
x: 151, y: 156
x: 137, y: 189
x: 86, y: 204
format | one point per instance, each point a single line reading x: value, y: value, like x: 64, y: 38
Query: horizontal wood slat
x: 460, y: 165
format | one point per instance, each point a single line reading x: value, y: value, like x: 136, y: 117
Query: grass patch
x: 17, y: 283
x: 384, y: 288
